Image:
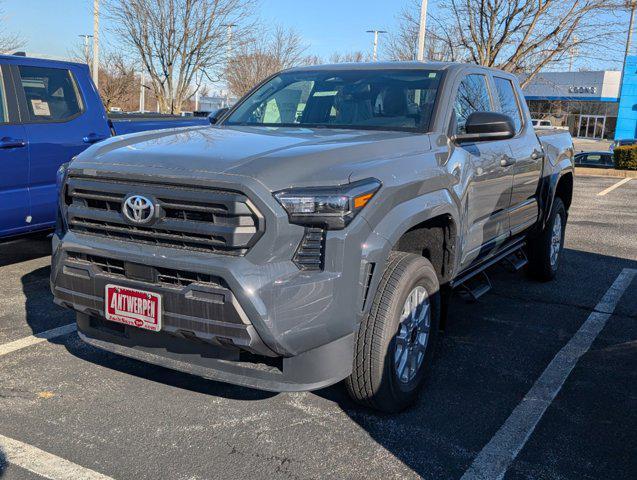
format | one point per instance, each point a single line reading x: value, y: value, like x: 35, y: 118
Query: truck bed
x: 132, y: 123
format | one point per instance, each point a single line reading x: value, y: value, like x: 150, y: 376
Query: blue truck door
x: 14, y: 162
x: 65, y: 117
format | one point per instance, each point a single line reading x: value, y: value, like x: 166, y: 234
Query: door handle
x: 93, y: 138
x: 7, y: 142
x: 537, y: 155
x: 507, y: 161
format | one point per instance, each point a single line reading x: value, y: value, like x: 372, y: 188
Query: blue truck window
x: 4, y: 116
x: 51, y: 94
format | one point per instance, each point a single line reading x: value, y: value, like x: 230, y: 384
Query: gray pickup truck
x: 314, y: 233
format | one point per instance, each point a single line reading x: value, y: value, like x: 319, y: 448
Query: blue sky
x: 51, y: 27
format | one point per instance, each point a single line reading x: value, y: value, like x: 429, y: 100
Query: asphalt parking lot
x: 123, y: 419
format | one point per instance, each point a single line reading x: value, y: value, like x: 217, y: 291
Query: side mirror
x: 217, y: 114
x: 486, y: 126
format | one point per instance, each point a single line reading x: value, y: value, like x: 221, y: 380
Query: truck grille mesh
x: 165, y: 276
x: 210, y: 220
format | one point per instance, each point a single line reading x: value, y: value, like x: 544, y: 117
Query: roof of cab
x: 412, y: 65
x: 398, y: 65
x: 26, y: 60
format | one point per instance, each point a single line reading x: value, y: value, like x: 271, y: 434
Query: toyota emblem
x: 138, y: 209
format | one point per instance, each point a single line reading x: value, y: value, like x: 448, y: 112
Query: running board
x: 515, y: 261
x: 475, y: 287
x: 476, y: 270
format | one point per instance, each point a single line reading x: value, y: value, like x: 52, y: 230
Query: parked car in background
x: 313, y: 233
x: 545, y: 125
x: 49, y: 112
x: 622, y: 143
x: 595, y: 160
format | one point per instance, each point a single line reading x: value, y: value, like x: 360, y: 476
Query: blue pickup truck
x: 49, y: 112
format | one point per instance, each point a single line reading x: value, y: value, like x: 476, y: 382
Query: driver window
x: 473, y: 96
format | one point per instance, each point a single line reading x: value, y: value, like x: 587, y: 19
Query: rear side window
x: 473, y: 96
x: 4, y: 113
x: 508, y: 101
x: 51, y: 93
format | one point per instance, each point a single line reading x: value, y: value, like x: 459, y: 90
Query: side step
x: 515, y: 261
x: 475, y: 287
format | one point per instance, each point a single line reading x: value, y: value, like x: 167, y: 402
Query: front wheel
x: 545, y: 250
x: 396, y: 340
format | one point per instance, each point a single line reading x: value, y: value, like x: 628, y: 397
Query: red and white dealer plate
x: 133, y: 307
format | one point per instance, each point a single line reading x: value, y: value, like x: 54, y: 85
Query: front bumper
x: 271, y: 326
x: 311, y: 370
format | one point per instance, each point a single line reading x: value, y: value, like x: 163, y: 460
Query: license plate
x: 133, y: 307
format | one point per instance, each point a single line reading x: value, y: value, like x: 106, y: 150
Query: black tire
x: 540, y: 265
x: 374, y: 381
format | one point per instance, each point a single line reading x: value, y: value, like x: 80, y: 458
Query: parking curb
x: 600, y: 172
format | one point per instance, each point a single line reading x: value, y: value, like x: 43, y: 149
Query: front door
x: 61, y: 125
x: 14, y: 163
x: 489, y: 178
x: 592, y: 126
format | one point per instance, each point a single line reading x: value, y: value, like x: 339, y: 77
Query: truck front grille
x: 192, y: 218
x: 161, y: 275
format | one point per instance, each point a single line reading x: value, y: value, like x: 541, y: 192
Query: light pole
x: 422, y: 31
x: 96, y: 41
x: 229, y: 26
x: 86, y: 53
x: 376, y: 33
x: 142, y: 92
x: 632, y: 4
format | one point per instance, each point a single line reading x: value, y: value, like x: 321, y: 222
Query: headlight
x: 328, y: 207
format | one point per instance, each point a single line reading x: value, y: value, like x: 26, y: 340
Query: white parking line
x: 614, y: 186
x: 44, y: 463
x: 497, y: 455
x: 37, y: 338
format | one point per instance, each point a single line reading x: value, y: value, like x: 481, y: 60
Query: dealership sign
x: 582, y: 89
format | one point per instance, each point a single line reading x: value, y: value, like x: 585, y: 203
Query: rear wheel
x: 546, y: 249
x: 396, y: 340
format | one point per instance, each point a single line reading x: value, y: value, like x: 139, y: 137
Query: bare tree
x: 9, y: 42
x: 281, y: 49
x: 525, y: 36
x: 402, y: 44
x: 519, y: 36
x: 349, y: 57
x: 119, y: 83
x: 176, y: 40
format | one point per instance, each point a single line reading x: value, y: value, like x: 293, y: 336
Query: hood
x: 276, y: 157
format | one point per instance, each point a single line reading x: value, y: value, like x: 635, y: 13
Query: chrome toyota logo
x: 138, y: 209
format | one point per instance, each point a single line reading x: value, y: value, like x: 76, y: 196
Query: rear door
x: 64, y: 117
x: 526, y: 154
x: 489, y: 184
x: 14, y: 162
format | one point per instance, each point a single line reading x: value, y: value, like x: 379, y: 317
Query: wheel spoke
x: 412, y: 334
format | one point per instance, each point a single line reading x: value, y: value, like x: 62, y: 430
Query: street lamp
x: 376, y: 33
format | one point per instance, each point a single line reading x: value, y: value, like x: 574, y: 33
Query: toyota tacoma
x: 314, y: 232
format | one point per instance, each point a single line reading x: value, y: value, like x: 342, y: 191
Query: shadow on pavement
x: 3, y: 463
x: 24, y: 249
x: 491, y: 353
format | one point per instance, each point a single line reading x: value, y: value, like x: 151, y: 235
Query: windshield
x: 360, y: 99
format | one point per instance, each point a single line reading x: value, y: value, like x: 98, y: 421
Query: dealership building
x: 585, y: 102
